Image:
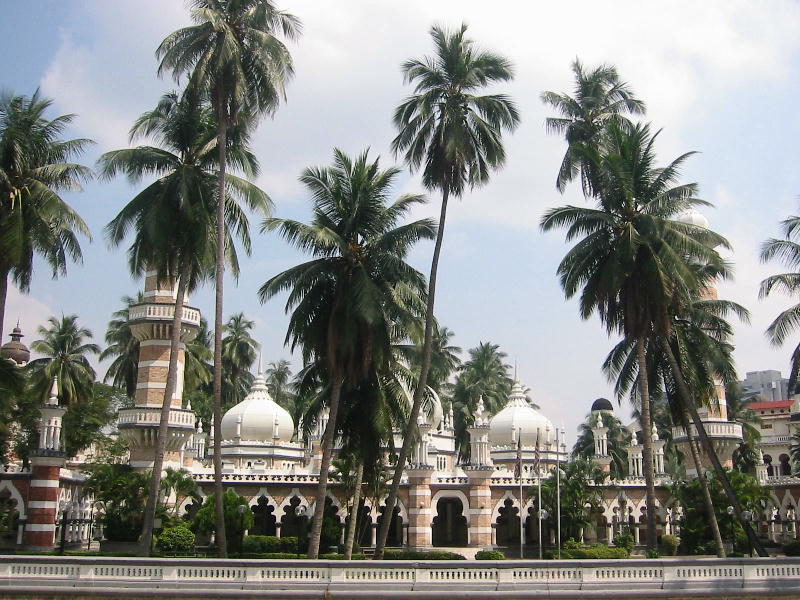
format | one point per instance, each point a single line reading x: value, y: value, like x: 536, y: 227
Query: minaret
x: 151, y: 324
x: 46, y: 463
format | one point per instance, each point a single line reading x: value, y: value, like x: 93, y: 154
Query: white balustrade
x: 152, y: 416
x: 162, y: 312
x: 715, y: 577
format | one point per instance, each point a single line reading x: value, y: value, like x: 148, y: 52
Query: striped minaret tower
x: 46, y: 463
x: 151, y: 324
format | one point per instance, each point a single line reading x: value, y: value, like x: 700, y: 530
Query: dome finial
x: 53, y: 399
x: 260, y: 364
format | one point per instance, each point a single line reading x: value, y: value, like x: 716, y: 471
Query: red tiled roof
x: 770, y: 405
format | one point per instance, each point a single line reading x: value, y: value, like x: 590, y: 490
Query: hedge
x: 490, y: 555
x: 596, y: 551
x: 417, y: 555
x: 269, y: 544
x: 792, y: 548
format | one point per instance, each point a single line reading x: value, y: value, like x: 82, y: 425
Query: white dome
x: 260, y: 416
x: 692, y: 217
x: 518, y: 414
x: 431, y: 411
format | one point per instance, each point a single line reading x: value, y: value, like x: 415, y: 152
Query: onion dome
x: 257, y: 418
x: 602, y: 404
x: 16, y: 350
x: 518, y: 415
x: 692, y: 217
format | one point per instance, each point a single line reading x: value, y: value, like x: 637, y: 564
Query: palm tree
x: 352, y: 299
x: 238, y: 355
x: 454, y: 135
x: 787, y: 251
x: 174, y: 219
x: 444, y: 358
x: 746, y: 455
x: 198, y: 355
x: 181, y: 484
x: 233, y: 58
x: 632, y: 260
x: 35, y: 166
x: 483, y: 375
x: 600, y: 97
x: 619, y: 438
x: 279, y: 383
x: 124, y: 347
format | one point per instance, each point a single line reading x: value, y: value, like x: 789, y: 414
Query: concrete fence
x: 43, y: 576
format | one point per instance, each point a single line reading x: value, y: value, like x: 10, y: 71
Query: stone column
x: 420, y: 512
x: 480, y: 501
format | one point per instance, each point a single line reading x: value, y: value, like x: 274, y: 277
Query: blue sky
x: 718, y: 77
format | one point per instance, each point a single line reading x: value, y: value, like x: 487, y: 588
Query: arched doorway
x: 785, y: 465
x: 449, y: 525
x: 264, y: 520
x: 508, y: 524
x: 291, y: 524
x: 395, y: 537
x: 331, y: 526
x: 768, y: 462
x: 363, y: 535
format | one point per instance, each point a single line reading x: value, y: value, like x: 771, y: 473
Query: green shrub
x: 624, y: 540
x: 269, y: 544
x: 652, y: 553
x: 417, y: 555
x: 670, y: 543
x: 792, y: 548
x: 596, y: 551
x: 176, y: 539
x: 571, y: 544
x: 490, y: 555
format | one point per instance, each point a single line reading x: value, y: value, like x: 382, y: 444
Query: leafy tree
x: 121, y: 491
x: 279, y: 383
x: 787, y: 251
x: 745, y: 457
x: 35, y: 167
x: 179, y: 483
x: 12, y: 383
x: 619, y: 438
x: 123, y: 347
x: 453, y: 134
x: 197, y: 370
x: 484, y: 374
x: 174, y: 219
x: 599, y: 98
x: 579, y: 487
x: 444, y: 357
x: 237, y: 521
x: 233, y: 58
x: 349, y: 301
x: 238, y: 356
x: 630, y: 262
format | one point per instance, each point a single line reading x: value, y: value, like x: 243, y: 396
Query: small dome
x: 16, y: 350
x: 260, y: 416
x: 518, y: 414
x: 692, y: 217
x: 602, y: 404
x: 431, y: 411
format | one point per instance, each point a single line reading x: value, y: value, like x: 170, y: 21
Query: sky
x: 718, y: 77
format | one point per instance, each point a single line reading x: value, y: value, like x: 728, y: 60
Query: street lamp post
x: 747, y: 515
x: 241, y: 510
x: 543, y: 514
x: 299, y: 512
x: 730, y: 511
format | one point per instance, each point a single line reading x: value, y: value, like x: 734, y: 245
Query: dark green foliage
x: 624, y: 540
x: 235, y: 522
x: 490, y: 555
x: 618, y: 440
x: 671, y: 544
x: 176, y: 539
x: 421, y: 555
x: 121, y: 492
x: 652, y: 553
x: 598, y: 551
x: 269, y: 544
x: 792, y: 548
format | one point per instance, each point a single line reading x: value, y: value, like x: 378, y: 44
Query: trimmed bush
x: 269, y: 544
x: 176, y: 539
x: 670, y: 543
x: 792, y: 548
x: 624, y: 540
x: 596, y: 551
x: 490, y: 555
x: 416, y: 555
x: 652, y: 553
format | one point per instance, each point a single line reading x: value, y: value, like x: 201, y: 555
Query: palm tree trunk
x: 708, y: 448
x: 408, y: 438
x: 701, y: 478
x: 327, y: 454
x: 351, y: 526
x: 3, y: 295
x: 146, y: 539
x: 221, y: 537
x: 647, y: 445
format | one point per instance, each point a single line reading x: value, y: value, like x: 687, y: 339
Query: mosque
x: 442, y: 503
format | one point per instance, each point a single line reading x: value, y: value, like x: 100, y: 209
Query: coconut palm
x: 233, y: 57
x: 35, y: 167
x: 198, y: 355
x: 452, y: 133
x: 181, y: 484
x: 483, y: 375
x: 444, y: 357
x: 599, y: 97
x: 619, y: 438
x: 238, y: 355
x: 174, y: 219
x: 279, y: 383
x: 745, y: 457
x: 631, y: 261
x: 123, y: 347
x: 349, y: 303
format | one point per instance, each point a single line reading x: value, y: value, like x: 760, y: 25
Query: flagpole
x: 521, y: 499
x: 539, y: 485
x: 558, y: 492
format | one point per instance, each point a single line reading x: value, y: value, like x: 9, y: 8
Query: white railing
x: 717, y: 577
x: 724, y: 429
x: 162, y: 312
x: 152, y: 416
x: 775, y: 439
x: 269, y: 477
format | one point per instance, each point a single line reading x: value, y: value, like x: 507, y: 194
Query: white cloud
x: 29, y: 311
